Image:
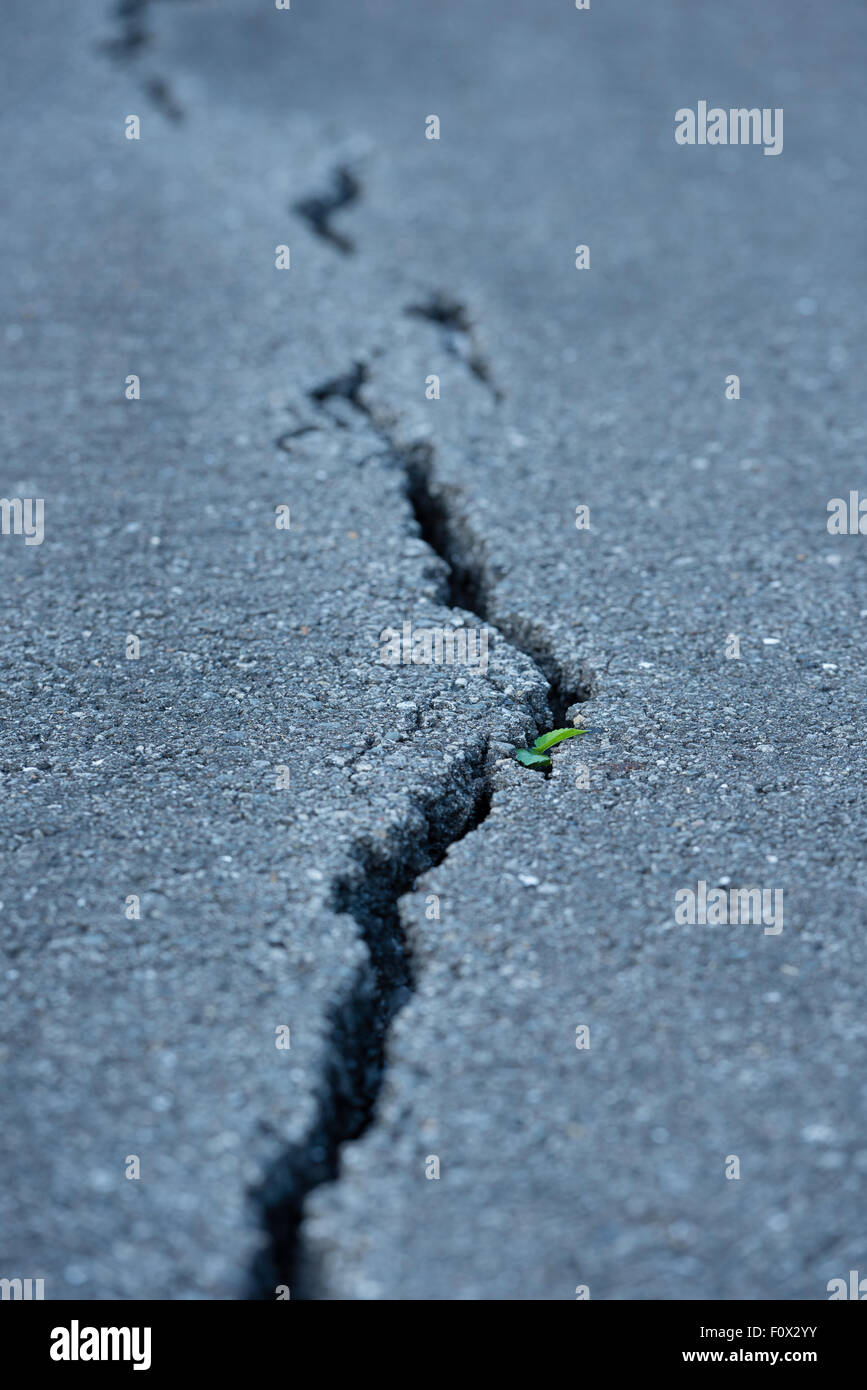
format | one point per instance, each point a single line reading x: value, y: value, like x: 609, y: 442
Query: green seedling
x: 528, y: 758
x: 536, y: 755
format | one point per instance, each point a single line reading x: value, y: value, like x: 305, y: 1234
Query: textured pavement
x: 599, y: 1168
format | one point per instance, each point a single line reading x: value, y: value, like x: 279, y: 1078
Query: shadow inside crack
x: 445, y: 531
x: 369, y: 893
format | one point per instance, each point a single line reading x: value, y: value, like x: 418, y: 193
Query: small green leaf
x: 556, y: 736
x: 528, y: 758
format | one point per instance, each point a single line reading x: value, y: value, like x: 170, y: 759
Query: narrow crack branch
x: 161, y: 96
x: 133, y: 36
x: 134, y: 33
x: 319, y: 210
x: 460, y: 339
x: 346, y: 387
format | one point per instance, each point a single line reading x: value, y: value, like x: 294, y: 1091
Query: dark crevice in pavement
x: 437, y: 511
x: 466, y: 585
x: 446, y: 532
x: 562, y: 694
x: 346, y: 387
x: 160, y: 94
x: 134, y: 35
x: 383, y: 872
x: 386, y: 871
x: 454, y: 319
x: 319, y: 210
x: 283, y: 441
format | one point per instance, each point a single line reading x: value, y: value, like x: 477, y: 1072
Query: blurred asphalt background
x: 263, y: 907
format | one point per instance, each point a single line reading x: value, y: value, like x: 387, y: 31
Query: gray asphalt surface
x: 261, y: 906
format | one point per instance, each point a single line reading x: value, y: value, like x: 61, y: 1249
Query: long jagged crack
x: 443, y: 525
x: 383, y: 873
x: 369, y: 893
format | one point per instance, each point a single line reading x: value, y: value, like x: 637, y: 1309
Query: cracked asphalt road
x: 265, y: 906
